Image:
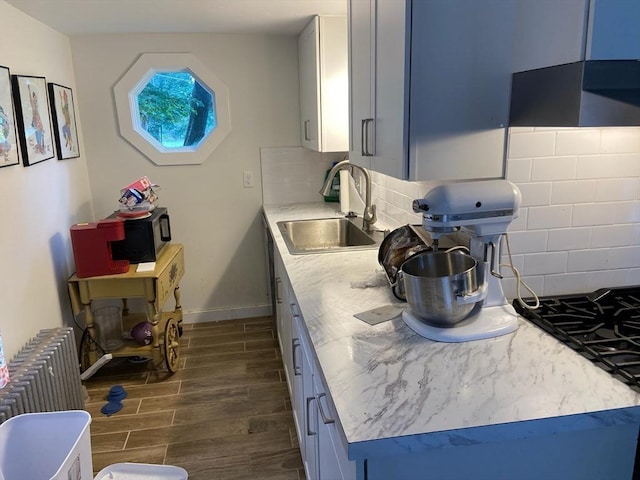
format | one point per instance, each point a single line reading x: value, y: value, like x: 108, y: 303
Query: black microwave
x: 144, y: 238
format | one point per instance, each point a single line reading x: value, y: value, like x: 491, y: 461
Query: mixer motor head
x: 483, y: 208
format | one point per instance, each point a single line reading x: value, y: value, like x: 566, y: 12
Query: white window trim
x: 128, y: 87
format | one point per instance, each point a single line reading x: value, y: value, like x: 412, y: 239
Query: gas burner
x: 603, y: 326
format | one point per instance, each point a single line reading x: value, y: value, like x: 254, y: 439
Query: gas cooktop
x: 603, y: 326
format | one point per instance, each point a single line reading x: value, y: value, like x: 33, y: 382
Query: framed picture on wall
x: 33, y: 118
x: 9, y: 151
x: 64, y: 121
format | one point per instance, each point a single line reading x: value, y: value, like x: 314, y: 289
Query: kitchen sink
x: 327, y: 235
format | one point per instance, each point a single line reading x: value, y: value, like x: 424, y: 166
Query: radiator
x: 44, y: 376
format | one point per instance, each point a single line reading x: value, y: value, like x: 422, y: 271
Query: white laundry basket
x: 141, y: 471
x: 57, y: 446
x: 52, y: 445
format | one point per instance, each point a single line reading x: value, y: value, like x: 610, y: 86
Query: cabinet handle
x: 278, y: 297
x: 362, y: 137
x: 294, y: 313
x: 309, y: 431
x: 367, y: 121
x: 295, y: 343
x: 325, y: 419
x: 307, y: 136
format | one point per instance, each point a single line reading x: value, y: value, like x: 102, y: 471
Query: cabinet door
x: 391, y: 98
x: 310, y: 437
x: 324, y: 84
x: 283, y: 318
x: 300, y: 370
x: 361, y: 81
x: 443, y: 76
x: 614, y: 32
x: 309, y: 74
x: 333, y: 463
x: 334, y: 84
x: 461, y: 66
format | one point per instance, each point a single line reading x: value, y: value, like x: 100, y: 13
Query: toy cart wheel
x: 171, y: 345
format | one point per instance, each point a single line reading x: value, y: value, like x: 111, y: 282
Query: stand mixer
x: 484, y: 210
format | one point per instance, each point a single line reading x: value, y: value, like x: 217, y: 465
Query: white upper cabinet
x: 430, y: 79
x: 614, y: 30
x: 361, y: 81
x: 324, y: 85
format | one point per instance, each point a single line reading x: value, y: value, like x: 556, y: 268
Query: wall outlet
x: 247, y: 179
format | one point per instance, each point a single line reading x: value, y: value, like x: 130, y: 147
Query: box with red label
x: 140, y: 185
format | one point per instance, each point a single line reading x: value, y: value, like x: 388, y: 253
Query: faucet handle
x: 369, y: 217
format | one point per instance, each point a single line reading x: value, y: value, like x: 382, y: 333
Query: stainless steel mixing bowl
x: 441, y: 288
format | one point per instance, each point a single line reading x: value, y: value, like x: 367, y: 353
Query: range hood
x: 590, y: 93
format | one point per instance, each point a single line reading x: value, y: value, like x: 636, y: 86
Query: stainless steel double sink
x: 326, y: 235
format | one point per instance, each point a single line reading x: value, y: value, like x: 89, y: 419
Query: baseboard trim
x: 226, y: 314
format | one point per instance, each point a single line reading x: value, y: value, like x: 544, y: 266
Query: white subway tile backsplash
x: 578, y: 227
x: 293, y: 174
x: 554, y: 216
x: 532, y: 144
x: 554, y: 168
x: 606, y: 213
x: 564, y: 239
x: 581, y: 141
x: 566, y: 284
x: 419, y: 189
x: 613, y: 278
x: 615, y: 236
x: 604, y: 259
x: 545, y: 263
x: 587, y: 214
x: 625, y: 212
x: 608, y: 166
x: 617, y: 189
x: 586, y: 260
x: 625, y: 257
x: 620, y: 140
x: 519, y: 170
x: 536, y: 283
x: 630, y: 164
x: 578, y: 191
x: 535, y: 194
x: 518, y: 264
x: 520, y: 223
x: 528, y: 242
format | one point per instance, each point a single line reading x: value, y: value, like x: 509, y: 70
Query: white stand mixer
x: 484, y: 210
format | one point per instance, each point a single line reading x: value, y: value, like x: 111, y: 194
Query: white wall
x: 216, y: 219
x: 40, y: 202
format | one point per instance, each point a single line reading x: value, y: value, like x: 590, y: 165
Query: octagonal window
x: 172, y: 109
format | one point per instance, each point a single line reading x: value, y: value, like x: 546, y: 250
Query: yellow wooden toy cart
x: 155, y: 287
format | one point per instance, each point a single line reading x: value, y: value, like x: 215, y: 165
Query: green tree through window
x: 176, y: 109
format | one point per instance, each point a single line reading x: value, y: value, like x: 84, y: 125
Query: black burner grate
x: 603, y: 326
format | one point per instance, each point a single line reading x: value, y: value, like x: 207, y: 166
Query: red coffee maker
x: 91, y: 244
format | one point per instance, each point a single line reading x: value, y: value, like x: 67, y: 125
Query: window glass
x: 176, y: 109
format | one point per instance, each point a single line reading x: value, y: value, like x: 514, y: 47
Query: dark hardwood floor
x: 225, y: 414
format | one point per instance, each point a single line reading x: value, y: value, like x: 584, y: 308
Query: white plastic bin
x: 52, y: 445
x: 141, y: 471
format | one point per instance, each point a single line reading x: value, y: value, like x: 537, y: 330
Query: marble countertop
x: 397, y: 392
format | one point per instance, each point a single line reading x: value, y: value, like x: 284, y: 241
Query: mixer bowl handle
x: 473, y: 297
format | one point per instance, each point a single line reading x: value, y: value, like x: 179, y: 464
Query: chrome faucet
x: 369, y: 214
